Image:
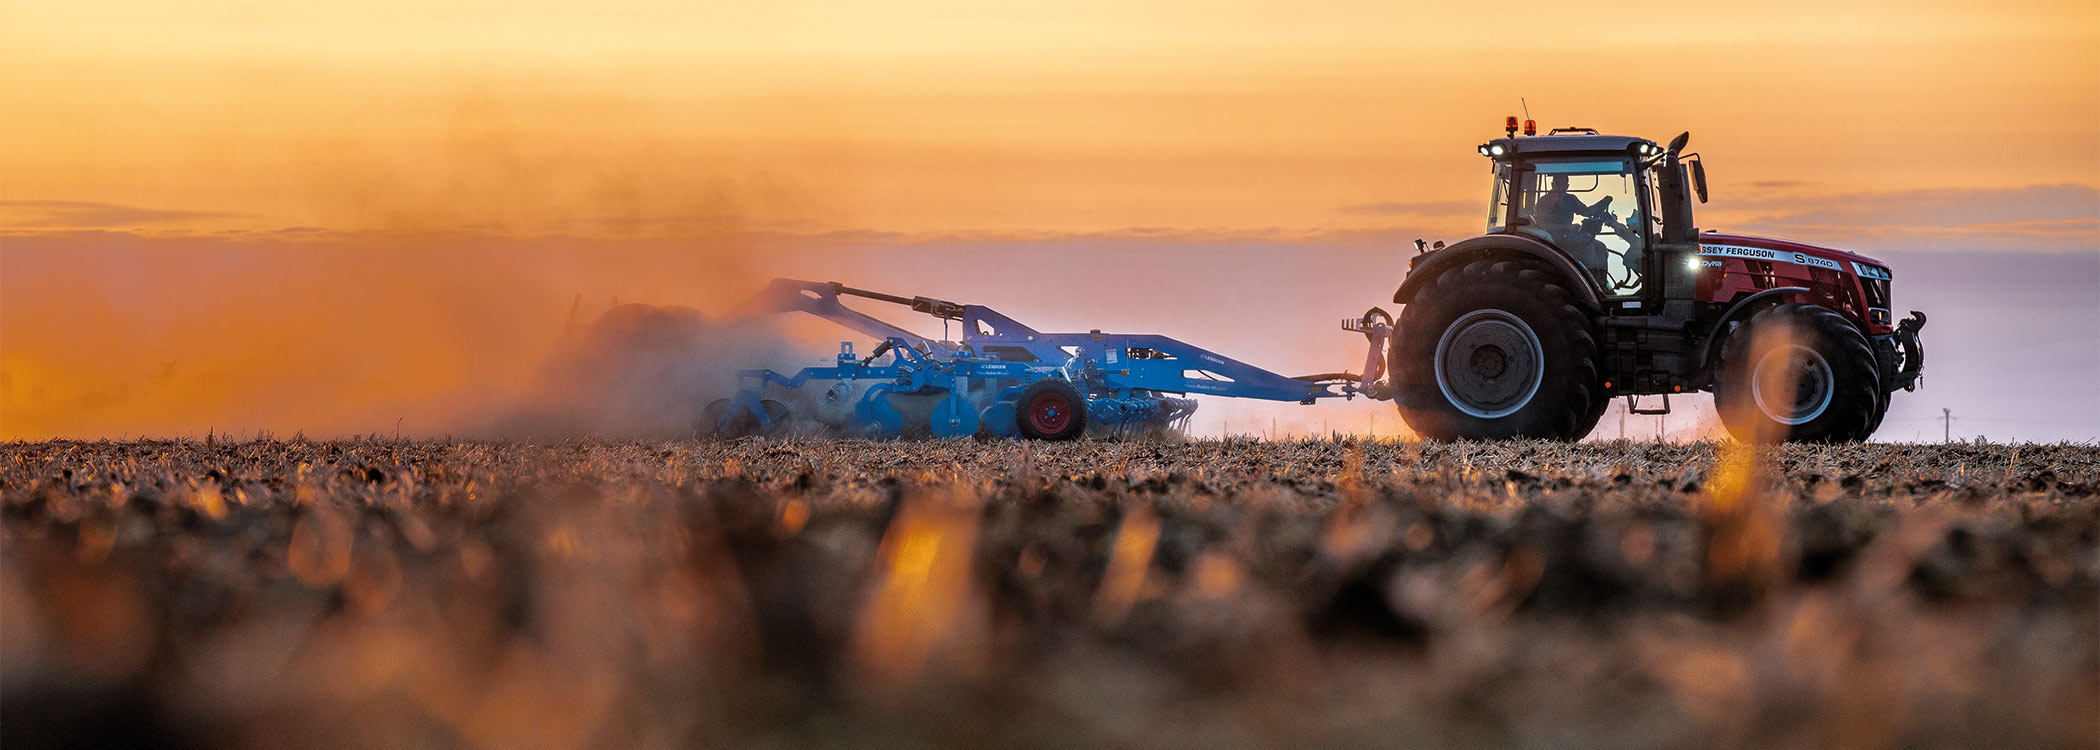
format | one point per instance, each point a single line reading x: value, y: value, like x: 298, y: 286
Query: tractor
x: 1592, y: 282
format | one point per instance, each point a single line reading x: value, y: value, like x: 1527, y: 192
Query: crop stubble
x: 1136, y: 594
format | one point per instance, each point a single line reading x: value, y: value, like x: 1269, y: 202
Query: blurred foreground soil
x: 1213, y: 594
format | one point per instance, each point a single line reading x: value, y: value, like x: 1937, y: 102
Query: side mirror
x: 1677, y: 144
x: 1699, y: 179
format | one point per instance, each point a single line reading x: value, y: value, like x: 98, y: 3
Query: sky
x: 333, y: 216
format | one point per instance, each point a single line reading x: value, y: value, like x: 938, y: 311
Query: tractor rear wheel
x: 1798, y: 373
x: 1050, y: 409
x: 1497, y: 349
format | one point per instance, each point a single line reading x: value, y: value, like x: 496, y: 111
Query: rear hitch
x: 1377, y: 326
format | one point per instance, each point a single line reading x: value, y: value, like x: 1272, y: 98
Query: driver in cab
x: 1573, y: 223
x: 1575, y: 226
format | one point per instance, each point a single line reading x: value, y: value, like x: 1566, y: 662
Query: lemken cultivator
x: 1591, y: 283
x: 1003, y: 378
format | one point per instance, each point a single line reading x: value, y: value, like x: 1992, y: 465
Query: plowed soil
x: 1005, y: 594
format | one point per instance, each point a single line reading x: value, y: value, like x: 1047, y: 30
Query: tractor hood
x: 1784, y: 248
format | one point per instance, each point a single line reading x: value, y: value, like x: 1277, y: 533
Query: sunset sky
x: 821, y: 138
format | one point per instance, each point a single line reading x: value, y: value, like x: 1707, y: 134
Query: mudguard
x: 1742, y: 309
x: 1428, y: 266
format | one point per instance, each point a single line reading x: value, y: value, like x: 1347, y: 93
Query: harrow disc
x: 726, y: 418
x: 714, y: 418
x: 836, y: 407
x: 877, y: 416
x: 954, y: 418
x: 779, y: 414
x: 998, y: 419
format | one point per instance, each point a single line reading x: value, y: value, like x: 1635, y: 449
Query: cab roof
x: 1572, y: 143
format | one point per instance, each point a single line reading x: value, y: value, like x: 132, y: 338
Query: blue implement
x: 922, y: 387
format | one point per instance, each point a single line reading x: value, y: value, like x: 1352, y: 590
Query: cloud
x: 90, y: 215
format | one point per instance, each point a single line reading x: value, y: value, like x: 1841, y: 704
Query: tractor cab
x: 1603, y: 200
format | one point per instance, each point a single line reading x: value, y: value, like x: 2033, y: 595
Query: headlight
x: 1693, y: 263
x: 1496, y: 150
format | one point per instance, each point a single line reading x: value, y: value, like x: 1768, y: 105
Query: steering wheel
x: 1611, y: 228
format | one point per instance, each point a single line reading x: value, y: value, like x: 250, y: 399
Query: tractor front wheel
x: 1798, y: 373
x: 1497, y: 349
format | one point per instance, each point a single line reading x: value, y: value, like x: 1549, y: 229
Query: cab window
x: 1591, y: 209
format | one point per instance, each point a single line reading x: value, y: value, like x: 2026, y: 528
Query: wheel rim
x: 1792, y: 385
x: 1489, y: 364
x: 1050, y: 413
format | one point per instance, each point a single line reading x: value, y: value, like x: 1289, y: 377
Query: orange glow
x: 1741, y: 506
x: 311, y: 217
x: 421, y: 333
x: 925, y: 613
x: 319, y: 554
x: 930, y: 115
x: 1129, y: 564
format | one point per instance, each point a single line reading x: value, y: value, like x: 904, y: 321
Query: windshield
x: 1591, y: 208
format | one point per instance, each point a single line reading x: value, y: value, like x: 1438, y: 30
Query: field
x: 1214, y: 594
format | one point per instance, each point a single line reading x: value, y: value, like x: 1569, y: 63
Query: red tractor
x: 1592, y: 282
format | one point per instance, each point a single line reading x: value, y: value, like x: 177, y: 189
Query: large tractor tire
x: 1050, y: 409
x: 1497, y: 349
x: 1881, y: 410
x: 1799, y: 373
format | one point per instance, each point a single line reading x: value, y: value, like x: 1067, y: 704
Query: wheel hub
x: 1489, y: 363
x: 1792, y: 385
x: 1050, y: 412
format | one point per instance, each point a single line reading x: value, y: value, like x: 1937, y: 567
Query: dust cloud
x: 643, y: 371
x: 108, y: 335
x: 448, y: 264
